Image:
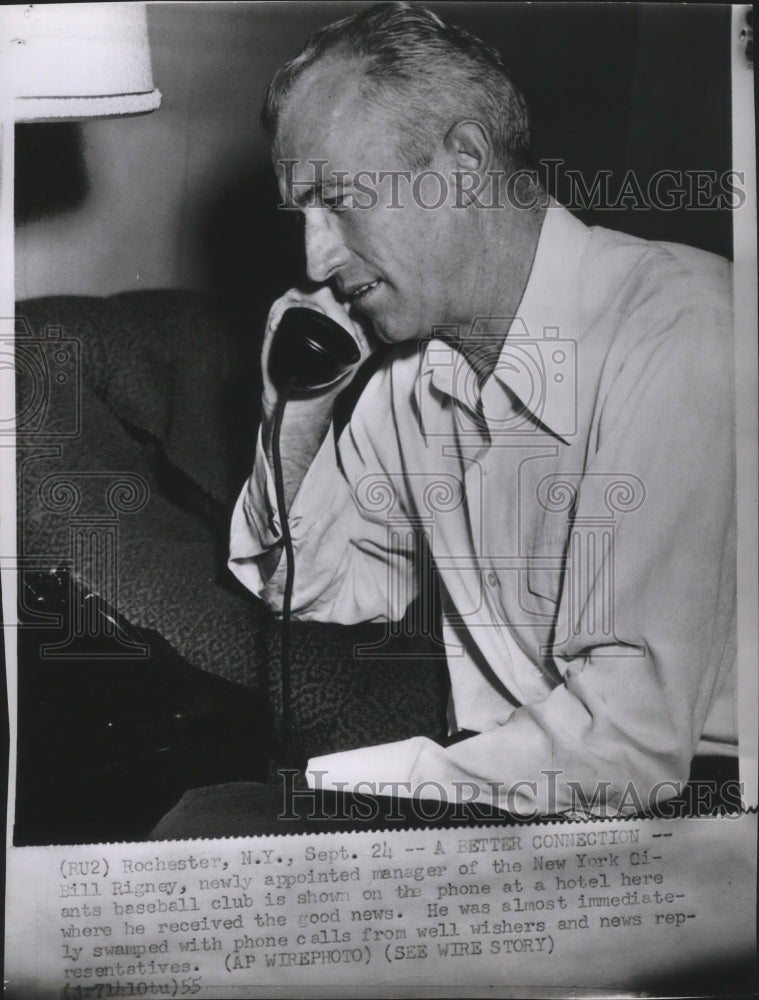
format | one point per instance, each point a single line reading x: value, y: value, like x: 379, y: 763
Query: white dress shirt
x: 580, y: 513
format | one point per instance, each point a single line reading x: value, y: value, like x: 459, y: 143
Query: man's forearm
x: 305, y: 424
x: 301, y: 435
x: 303, y: 430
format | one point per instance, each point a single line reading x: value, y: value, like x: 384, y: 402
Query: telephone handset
x: 310, y: 351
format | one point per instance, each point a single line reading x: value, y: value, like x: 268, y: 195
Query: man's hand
x: 322, y: 301
x: 307, y: 418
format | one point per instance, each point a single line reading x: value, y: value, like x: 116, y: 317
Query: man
x: 553, y: 423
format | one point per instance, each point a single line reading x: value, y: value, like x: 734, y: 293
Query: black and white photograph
x: 379, y: 467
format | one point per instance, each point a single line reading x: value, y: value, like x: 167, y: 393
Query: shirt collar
x: 538, y: 361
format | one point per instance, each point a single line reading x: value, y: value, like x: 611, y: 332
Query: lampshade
x: 74, y: 61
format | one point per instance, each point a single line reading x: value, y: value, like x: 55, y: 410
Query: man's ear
x: 470, y: 149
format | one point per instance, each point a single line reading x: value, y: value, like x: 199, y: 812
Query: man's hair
x: 429, y: 74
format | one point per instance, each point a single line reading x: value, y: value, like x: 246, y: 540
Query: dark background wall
x: 184, y: 197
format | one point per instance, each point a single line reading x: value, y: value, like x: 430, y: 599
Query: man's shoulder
x: 634, y: 299
x: 640, y: 274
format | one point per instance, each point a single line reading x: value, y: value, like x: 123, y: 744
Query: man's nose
x: 325, y: 250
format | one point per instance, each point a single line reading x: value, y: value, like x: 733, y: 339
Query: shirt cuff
x: 255, y: 526
x: 384, y: 769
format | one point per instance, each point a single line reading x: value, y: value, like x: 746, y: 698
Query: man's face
x: 395, y: 262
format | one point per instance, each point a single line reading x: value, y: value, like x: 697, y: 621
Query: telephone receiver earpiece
x: 310, y: 351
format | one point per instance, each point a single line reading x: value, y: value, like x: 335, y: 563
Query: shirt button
x: 492, y: 579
